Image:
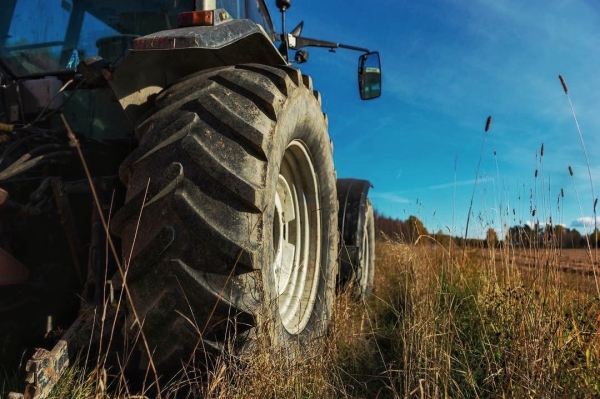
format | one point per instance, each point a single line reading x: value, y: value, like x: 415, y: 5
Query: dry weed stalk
x: 488, y: 124
x: 589, y: 169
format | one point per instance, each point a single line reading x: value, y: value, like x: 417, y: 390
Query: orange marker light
x: 196, y: 18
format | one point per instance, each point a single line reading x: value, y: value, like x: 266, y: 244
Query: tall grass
x: 484, y: 327
x: 480, y: 325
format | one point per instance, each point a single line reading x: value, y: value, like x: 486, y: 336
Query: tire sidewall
x: 366, y: 282
x: 302, y: 119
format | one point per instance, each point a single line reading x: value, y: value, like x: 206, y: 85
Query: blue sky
x: 447, y: 65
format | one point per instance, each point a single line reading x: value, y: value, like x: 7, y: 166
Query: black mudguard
x: 157, y: 60
x: 352, y: 196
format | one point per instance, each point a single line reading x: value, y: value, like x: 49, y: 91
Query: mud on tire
x: 235, y: 183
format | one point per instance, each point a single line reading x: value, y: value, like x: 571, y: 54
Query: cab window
x: 260, y: 14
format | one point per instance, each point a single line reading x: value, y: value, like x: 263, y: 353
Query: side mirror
x: 369, y: 76
x: 301, y: 56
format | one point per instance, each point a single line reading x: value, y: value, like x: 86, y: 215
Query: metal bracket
x: 45, y: 368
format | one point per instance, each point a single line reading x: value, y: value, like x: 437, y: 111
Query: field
x: 573, y: 267
x: 443, y: 322
x: 567, y: 260
x: 491, y: 322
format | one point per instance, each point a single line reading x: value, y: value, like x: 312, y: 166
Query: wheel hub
x: 296, y: 237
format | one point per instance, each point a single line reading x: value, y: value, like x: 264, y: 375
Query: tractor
x: 170, y: 152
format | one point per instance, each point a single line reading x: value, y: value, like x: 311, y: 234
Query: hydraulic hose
x: 11, y: 147
x: 30, y: 154
x: 6, y: 127
x: 38, y: 194
x: 37, y: 161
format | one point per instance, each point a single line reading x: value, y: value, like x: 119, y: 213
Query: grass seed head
x: 570, y: 170
x: 488, y: 123
x: 564, y: 84
x: 542, y: 150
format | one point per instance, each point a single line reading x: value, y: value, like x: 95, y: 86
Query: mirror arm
x: 297, y: 42
x: 346, y: 46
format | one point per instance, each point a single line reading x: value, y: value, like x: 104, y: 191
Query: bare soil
x: 566, y: 260
x: 578, y: 269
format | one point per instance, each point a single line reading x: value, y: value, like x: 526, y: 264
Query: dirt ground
x: 578, y: 269
x: 567, y: 260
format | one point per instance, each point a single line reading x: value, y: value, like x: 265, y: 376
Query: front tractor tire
x: 234, y: 188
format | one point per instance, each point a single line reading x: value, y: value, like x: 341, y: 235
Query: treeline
x: 556, y: 236
x: 413, y: 231
x: 395, y: 229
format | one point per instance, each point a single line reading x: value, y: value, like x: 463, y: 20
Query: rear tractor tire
x: 234, y: 187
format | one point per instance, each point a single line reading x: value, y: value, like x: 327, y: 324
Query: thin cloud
x: 391, y: 197
x: 460, y: 183
x: 586, y: 221
x: 540, y: 223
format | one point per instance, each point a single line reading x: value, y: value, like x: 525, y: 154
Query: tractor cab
x: 49, y: 37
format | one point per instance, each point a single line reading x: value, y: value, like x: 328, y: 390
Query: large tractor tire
x: 237, y: 238
x: 357, y: 246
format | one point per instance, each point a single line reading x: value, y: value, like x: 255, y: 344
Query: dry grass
x: 482, y: 323
x: 484, y: 326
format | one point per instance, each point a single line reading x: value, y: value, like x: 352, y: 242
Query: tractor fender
x: 12, y: 271
x: 157, y: 60
x: 352, y: 196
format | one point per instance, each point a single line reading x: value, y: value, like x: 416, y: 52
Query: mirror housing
x: 369, y: 76
x: 301, y: 56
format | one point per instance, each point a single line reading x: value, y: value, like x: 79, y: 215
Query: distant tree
x: 415, y: 229
x: 558, y: 235
x: 512, y: 235
x: 573, y: 239
x: 387, y: 227
x: 595, y: 238
x: 519, y: 236
x: 529, y: 235
x: 443, y: 239
x: 491, y: 238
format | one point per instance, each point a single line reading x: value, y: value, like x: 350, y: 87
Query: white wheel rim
x: 365, y: 253
x: 296, y: 237
x: 365, y: 258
